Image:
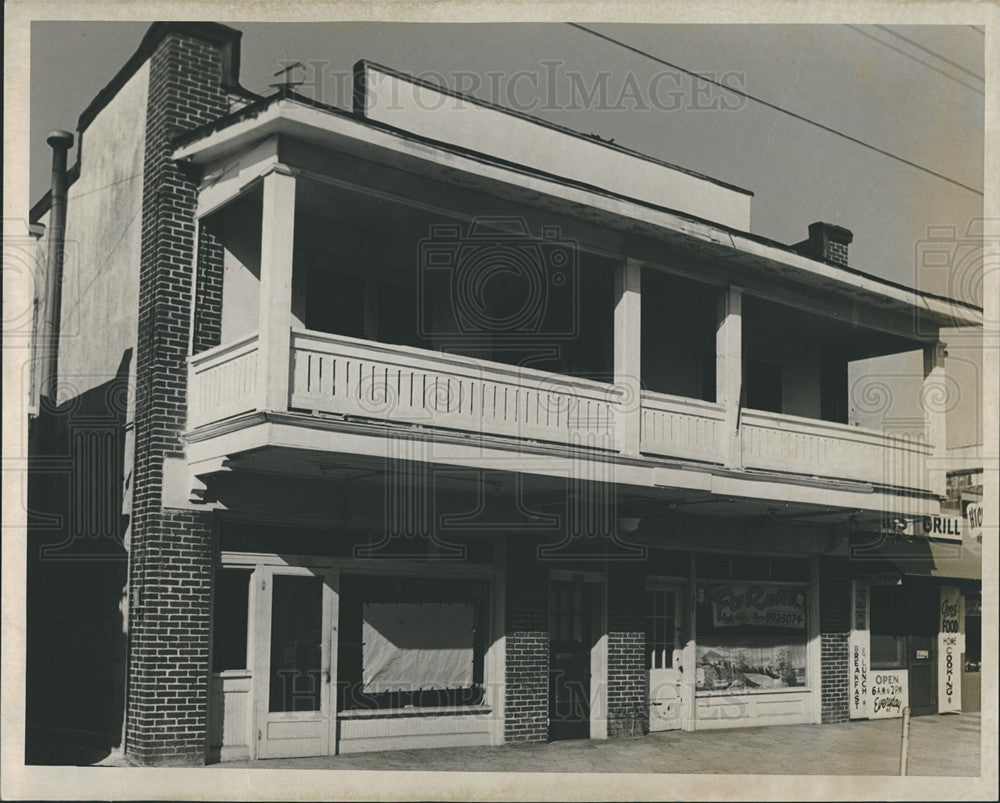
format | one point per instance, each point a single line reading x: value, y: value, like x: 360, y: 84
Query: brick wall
x: 208, y: 292
x: 526, y: 710
x: 835, y: 626
x: 628, y: 680
x: 171, y: 556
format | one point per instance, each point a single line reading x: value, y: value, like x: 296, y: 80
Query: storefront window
x: 888, y: 626
x: 229, y: 630
x: 973, y: 633
x: 408, y: 641
x: 750, y: 636
x: 751, y: 622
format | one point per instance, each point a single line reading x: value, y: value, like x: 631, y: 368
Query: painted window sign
x: 759, y: 606
x: 860, y: 607
x: 748, y: 666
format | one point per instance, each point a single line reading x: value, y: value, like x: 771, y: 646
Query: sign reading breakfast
x: 758, y: 605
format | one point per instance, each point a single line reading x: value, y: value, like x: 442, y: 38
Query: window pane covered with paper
x: 418, y: 645
x: 407, y: 641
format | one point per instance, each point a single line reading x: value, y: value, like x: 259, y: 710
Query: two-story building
x: 430, y: 423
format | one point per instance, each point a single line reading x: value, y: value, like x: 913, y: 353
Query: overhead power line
x: 776, y: 107
x: 927, y: 50
x: 902, y: 52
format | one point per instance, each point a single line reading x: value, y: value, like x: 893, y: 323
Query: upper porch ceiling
x: 649, y: 232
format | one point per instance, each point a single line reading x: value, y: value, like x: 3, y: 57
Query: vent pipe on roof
x: 826, y: 241
x: 60, y: 142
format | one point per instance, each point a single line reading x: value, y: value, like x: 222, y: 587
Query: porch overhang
x: 222, y: 149
x: 304, y: 445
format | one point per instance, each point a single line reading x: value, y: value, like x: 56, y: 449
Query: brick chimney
x: 827, y: 242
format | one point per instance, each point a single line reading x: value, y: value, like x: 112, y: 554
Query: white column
x: 276, y: 243
x: 934, y: 397
x: 729, y: 371
x: 689, y: 675
x: 628, y: 354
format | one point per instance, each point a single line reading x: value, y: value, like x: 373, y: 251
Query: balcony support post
x: 277, y: 242
x: 628, y: 354
x: 935, y: 401
x: 729, y: 372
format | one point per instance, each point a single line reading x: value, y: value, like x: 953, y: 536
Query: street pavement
x: 940, y: 745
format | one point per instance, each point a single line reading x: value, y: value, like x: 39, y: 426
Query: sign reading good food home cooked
x: 758, y: 605
x: 950, y: 649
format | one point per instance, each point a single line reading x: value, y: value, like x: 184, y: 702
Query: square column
x: 275, y: 321
x: 628, y: 354
x: 729, y: 372
x: 935, y: 400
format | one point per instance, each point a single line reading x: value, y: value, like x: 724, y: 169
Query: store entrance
x: 571, y: 639
x: 294, y: 660
x: 664, y: 651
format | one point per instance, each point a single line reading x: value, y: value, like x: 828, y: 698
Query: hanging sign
x: 974, y: 527
x: 950, y: 649
x: 758, y: 605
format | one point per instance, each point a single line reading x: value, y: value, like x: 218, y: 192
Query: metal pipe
x: 60, y: 142
x: 904, y: 748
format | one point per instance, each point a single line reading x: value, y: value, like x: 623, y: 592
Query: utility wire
x: 927, y: 50
x: 915, y: 58
x: 783, y: 110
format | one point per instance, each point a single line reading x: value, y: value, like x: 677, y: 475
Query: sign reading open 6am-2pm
x: 758, y: 605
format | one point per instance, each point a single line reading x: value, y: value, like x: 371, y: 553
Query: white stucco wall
x: 100, y: 297
x: 422, y: 110
x: 240, y: 234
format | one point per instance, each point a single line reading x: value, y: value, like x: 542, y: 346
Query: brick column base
x: 170, y: 639
x: 628, y: 680
x: 835, y: 625
x: 526, y: 709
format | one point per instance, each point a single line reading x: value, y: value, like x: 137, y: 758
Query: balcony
x: 414, y: 389
x: 339, y: 330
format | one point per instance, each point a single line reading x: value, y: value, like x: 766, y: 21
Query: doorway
x: 574, y: 619
x: 295, y: 661
x: 664, y: 657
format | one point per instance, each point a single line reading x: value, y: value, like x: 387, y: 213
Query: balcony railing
x: 331, y: 374
x: 222, y: 382
x: 674, y: 426
x: 779, y: 442
x: 335, y: 374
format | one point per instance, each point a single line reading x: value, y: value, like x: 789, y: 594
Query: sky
x: 914, y: 91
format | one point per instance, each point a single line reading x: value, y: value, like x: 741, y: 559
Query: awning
x: 922, y: 556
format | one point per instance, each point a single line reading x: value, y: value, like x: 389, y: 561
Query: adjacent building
x: 430, y: 423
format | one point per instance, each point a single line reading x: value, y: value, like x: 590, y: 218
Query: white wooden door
x: 664, y: 651
x: 296, y: 655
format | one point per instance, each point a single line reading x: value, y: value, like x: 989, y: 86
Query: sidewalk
x: 943, y: 745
